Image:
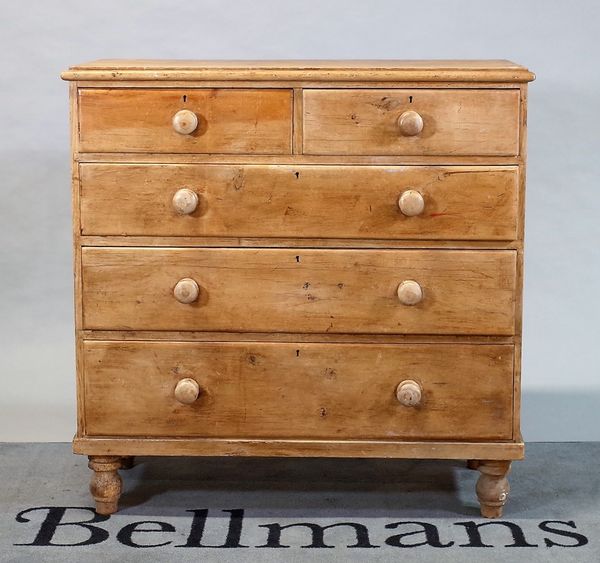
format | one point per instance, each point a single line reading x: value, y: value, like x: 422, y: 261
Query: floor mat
x: 257, y: 509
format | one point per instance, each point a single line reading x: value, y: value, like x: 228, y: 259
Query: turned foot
x: 106, y: 483
x: 493, y: 487
x: 472, y: 463
x: 127, y: 461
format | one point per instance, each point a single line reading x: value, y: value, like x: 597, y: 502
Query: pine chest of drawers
x: 317, y: 258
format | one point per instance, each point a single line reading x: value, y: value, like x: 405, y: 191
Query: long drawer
x: 316, y: 391
x: 386, y: 202
x: 468, y: 122
x: 300, y: 290
x: 230, y: 121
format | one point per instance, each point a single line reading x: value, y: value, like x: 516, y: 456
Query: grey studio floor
x: 195, y: 505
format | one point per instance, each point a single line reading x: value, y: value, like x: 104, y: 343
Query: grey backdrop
x: 558, y: 40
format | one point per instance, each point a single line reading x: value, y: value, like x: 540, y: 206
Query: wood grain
x: 431, y: 449
x: 456, y: 122
x: 106, y: 483
x: 207, y: 336
x: 461, y: 202
x: 253, y: 121
x: 493, y: 487
x: 520, y: 265
x: 282, y: 290
x: 76, y: 233
x: 323, y: 391
x: 281, y: 242
x: 118, y: 70
x: 297, y: 159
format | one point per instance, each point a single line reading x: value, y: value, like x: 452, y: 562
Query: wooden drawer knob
x: 411, y: 203
x: 410, y: 292
x: 186, y: 290
x: 185, y: 201
x: 187, y: 391
x: 410, y: 123
x: 185, y: 121
x: 408, y: 393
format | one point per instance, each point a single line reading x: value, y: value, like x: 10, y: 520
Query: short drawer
x: 288, y: 390
x: 300, y: 290
x: 229, y: 121
x: 361, y: 202
x: 412, y: 122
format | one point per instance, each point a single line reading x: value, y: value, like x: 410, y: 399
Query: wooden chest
x: 301, y: 258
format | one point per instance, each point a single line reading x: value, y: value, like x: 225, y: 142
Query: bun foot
x: 106, y: 484
x: 493, y: 487
x: 106, y: 508
x: 488, y: 511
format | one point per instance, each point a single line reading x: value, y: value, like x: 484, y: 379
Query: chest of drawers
x: 301, y: 258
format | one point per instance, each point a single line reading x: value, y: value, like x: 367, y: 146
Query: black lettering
x: 580, y: 538
x: 318, y: 534
x: 432, y: 536
x: 124, y: 535
x: 475, y: 539
x: 234, y: 530
x: 54, y: 519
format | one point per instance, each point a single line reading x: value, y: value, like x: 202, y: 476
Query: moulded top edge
x: 313, y: 70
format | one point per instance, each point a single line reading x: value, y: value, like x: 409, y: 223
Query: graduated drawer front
x: 231, y: 121
x: 455, y: 122
x: 297, y: 290
x: 460, y: 202
x: 315, y: 391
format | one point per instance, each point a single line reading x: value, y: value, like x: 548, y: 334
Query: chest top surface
x: 364, y: 69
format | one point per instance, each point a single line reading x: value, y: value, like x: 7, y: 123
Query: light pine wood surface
x: 299, y: 258
x: 323, y: 71
x: 281, y: 290
x: 335, y: 391
x: 458, y: 202
x: 493, y: 487
x: 229, y: 121
x: 409, y: 449
x: 457, y: 122
x: 106, y: 483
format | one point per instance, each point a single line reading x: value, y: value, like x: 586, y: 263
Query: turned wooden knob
x: 185, y: 121
x: 408, y: 393
x: 410, y: 123
x: 185, y: 201
x: 186, y: 290
x: 187, y: 390
x: 410, y: 292
x: 411, y: 203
